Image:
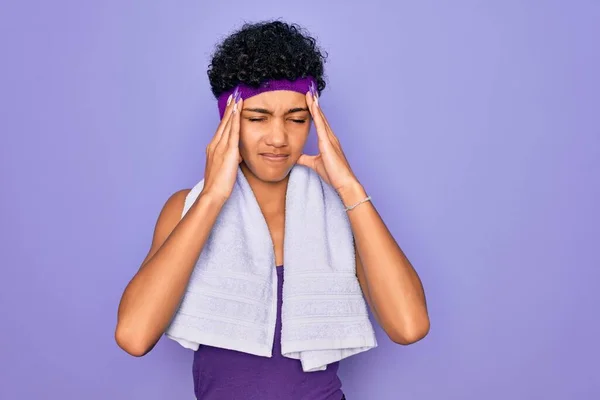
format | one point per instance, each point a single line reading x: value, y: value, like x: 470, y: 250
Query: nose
x: 276, y: 136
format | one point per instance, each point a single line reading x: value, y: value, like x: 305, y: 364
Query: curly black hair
x: 263, y: 51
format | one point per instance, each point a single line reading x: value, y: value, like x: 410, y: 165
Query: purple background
x: 473, y: 125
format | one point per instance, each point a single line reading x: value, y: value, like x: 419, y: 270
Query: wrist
x: 352, y: 194
x: 212, y: 199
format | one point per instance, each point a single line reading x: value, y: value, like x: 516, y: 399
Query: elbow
x: 410, y: 333
x: 133, y: 344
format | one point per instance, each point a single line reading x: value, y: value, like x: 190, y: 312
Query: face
x: 274, y: 128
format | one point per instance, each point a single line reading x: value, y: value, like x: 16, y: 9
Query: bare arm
x: 389, y: 282
x: 151, y: 298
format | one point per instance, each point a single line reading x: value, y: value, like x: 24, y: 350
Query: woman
x: 263, y: 135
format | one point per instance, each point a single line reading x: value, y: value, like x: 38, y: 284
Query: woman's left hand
x: 331, y: 163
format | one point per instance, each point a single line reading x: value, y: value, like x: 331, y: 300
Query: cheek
x: 247, y: 139
x: 299, y: 139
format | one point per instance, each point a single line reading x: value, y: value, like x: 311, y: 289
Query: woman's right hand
x: 223, y: 154
x: 151, y: 298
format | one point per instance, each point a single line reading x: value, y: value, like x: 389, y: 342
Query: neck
x: 269, y: 195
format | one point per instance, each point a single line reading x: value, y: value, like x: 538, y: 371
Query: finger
x: 317, y: 119
x: 332, y: 138
x: 225, y: 134
x: 326, y: 122
x: 306, y: 160
x: 218, y: 135
x: 231, y: 125
x: 319, y: 113
x: 233, y: 138
x: 225, y: 119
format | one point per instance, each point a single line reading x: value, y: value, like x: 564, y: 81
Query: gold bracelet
x: 368, y: 198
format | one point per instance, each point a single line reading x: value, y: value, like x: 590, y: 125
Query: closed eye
x: 297, y: 121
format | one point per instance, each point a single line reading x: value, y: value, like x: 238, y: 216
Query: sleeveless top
x: 222, y: 374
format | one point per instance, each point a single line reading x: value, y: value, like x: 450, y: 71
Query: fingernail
x: 238, y: 95
x: 313, y: 90
x: 229, y: 99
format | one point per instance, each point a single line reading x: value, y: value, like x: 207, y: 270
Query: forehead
x: 277, y: 100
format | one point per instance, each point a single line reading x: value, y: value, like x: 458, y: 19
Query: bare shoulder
x: 173, y: 207
x: 169, y: 217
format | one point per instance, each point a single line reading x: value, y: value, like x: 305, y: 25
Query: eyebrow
x: 265, y: 111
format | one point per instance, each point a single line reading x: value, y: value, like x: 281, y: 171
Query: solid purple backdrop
x: 474, y: 126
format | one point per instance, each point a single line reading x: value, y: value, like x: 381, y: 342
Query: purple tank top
x: 227, y: 374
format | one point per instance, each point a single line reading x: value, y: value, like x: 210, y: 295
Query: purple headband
x: 301, y: 85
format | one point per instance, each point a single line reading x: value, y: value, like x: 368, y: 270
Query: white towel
x: 231, y: 299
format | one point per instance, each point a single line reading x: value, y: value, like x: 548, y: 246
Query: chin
x: 273, y: 176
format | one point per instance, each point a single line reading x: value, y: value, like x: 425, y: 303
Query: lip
x: 275, y: 157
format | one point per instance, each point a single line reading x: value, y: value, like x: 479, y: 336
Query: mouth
x: 275, y: 157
